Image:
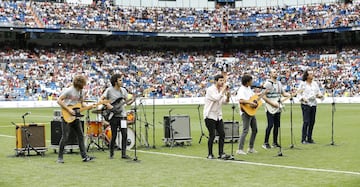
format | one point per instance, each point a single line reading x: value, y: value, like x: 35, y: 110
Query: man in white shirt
x: 216, y: 95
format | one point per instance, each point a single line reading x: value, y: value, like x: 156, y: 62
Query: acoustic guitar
x: 273, y: 110
x: 251, y: 111
x: 68, y: 117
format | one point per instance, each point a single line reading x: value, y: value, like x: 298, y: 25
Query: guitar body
x: 251, y: 111
x: 68, y: 117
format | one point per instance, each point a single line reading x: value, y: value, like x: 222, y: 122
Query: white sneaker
x: 241, y: 152
x: 252, y: 150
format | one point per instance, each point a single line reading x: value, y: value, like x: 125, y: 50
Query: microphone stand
x: 333, y: 109
x: 232, y: 132
x: 291, y: 124
x: 154, y: 119
x: 171, y: 130
x: 28, y: 146
x: 146, y: 127
x: 201, y: 129
x: 280, y: 152
x: 135, y: 149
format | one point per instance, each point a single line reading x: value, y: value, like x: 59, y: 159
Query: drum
x: 94, y: 128
x: 130, y: 138
x: 130, y: 117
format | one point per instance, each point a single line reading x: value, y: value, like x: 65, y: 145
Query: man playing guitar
x: 273, y: 107
x: 73, y: 96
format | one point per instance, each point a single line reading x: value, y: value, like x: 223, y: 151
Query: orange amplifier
x: 32, y: 134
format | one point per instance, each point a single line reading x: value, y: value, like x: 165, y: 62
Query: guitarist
x: 273, y: 107
x: 249, y: 121
x: 69, y: 97
x: 118, y: 97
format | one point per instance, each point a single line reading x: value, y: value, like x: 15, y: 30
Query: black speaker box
x: 35, y: 134
x: 180, y: 126
x: 227, y: 129
x: 56, y: 133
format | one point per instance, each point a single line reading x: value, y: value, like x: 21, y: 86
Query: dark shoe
x: 224, y: 156
x: 88, y: 158
x: 210, y: 157
x: 266, y: 146
x: 275, y: 145
x: 125, y: 157
x: 60, y: 160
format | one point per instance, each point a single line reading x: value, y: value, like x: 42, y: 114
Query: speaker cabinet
x: 229, y: 132
x: 180, y: 126
x: 56, y: 133
x: 33, y: 134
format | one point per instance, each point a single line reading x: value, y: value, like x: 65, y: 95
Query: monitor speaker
x: 180, y: 126
x: 227, y: 128
x: 56, y: 133
x: 35, y: 134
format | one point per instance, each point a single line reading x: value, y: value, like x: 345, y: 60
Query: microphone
x: 27, y: 113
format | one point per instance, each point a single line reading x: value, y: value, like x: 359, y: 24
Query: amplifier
x: 230, y: 134
x: 33, y: 134
x: 56, y: 133
x: 180, y: 126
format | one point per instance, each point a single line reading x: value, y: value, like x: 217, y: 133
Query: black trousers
x: 309, y: 113
x: 273, y: 120
x: 213, y: 126
x: 77, y: 128
x: 115, y: 123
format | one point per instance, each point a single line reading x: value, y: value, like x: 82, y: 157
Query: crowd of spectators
x: 168, y: 19
x: 41, y: 74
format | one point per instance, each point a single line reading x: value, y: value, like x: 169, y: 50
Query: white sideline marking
x: 240, y: 162
x: 258, y: 164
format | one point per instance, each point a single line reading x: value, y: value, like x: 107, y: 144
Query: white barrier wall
x: 149, y: 101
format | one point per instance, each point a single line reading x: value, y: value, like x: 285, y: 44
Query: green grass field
x: 319, y: 164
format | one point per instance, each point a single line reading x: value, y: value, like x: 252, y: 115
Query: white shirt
x: 245, y: 93
x: 309, y: 92
x: 213, y: 103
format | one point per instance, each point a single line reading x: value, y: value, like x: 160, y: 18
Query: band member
x: 118, y: 97
x: 249, y: 121
x: 309, y: 92
x: 73, y: 96
x: 273, y: 107
x: 216, y: 95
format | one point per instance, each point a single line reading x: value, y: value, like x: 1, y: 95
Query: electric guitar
x: 251, y: 110
x: 273, y: 110
x: 68, y: 117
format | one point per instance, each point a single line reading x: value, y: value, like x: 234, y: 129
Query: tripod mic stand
x: 146, y: 127
x: 232, y: 132
x: 280, y: 152
x: 154, y: 119
x: 333, y: 109
x: 202, y: 132
x: 28, y: 146
x: 291, y: 124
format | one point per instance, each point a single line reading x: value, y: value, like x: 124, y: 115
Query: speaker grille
x: 35, y: 134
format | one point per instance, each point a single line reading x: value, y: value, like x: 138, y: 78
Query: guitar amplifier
x: 33, y: 134
x: 180, y: 126
x: 56, y: 133
x: 230, y: 134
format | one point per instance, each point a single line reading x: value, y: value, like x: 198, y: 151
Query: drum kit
x: 99, y: 131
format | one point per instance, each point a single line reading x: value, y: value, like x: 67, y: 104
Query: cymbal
x: 96, y: 111
x: 89, y: 101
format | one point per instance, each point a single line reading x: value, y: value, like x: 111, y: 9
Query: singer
x: 216, y: 95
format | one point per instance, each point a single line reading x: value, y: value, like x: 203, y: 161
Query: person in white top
x: 310, y: 91
x: 216, y: 95
x: 249, y: 121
